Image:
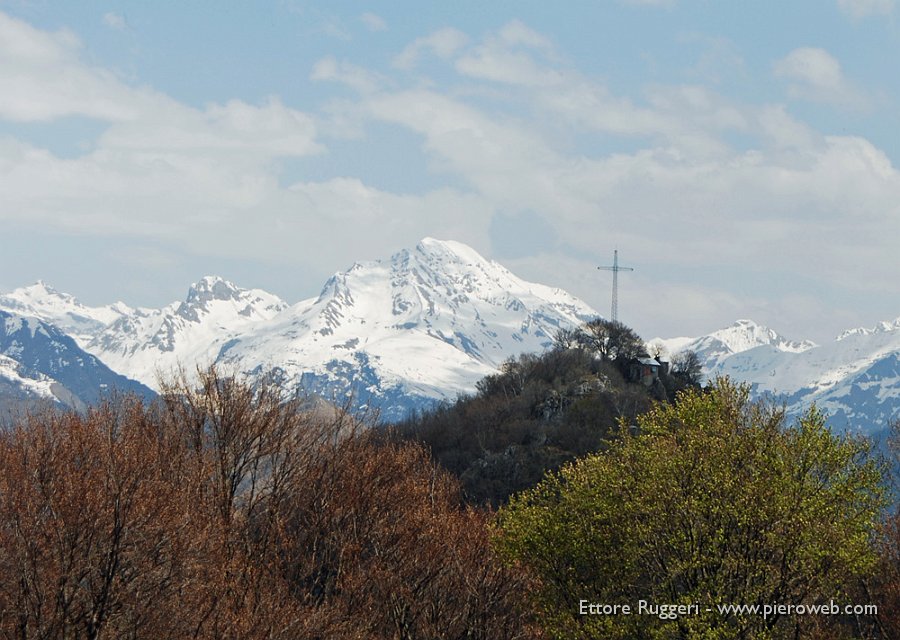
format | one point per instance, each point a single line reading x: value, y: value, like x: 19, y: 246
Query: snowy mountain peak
x: 449, y: 251
x: 148, y: 342
x: 746, y: 334
x: 881, y: 327
x: 210, y: 291
x: 426, y: 323
x: 436, y: 279
x: 42, y: 301
x: 40, y: 286
x: 40, y: 294
x: 742, y: 336
x: 457, y: 271
x: 212, y: 288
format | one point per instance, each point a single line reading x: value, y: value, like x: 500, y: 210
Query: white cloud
x: 202, y: 181
x: 858, y: 9
x: 358, y: 78
x: 507, y: 57
x: 782, y: 132
x: 443, y: 43
x: 226, y: 205
x: 508, y: 67
x: 373, y: 22
x: 515, y: 33
x: 816, y: 75
x: 812, y: 66
x: 115, y: 21
x: 665, y: 181
x: 43, y: 79
x: 237, y: 129
x: 685, y: 197
x: 49, y: 81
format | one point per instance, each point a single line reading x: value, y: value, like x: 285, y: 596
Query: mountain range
x: 395, y: 335
x: 39, y: 363
x: 854, y: 379
x: 398, y: 335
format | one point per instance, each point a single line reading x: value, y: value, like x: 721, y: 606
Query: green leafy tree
x: 716, y: 501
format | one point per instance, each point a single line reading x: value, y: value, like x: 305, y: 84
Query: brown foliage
x: 94, y: 526
x: 399, y: 558
x: 228, y: 512
x: 884, y: 590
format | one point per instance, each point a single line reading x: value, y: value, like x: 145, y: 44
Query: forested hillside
x: 228, y: 512
x: 229, y: 509
x: 545, y: 409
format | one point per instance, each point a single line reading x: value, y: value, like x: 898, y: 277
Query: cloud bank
x: 684, y: 179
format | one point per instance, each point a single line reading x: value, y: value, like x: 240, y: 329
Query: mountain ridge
x: 420, y: 327
x: 426, y: 324
x: 851, y: 378
x: 40, y: 361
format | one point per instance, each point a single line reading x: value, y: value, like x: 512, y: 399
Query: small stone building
x: 644, y: 370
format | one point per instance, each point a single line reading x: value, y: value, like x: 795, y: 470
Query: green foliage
x: 716, y: 501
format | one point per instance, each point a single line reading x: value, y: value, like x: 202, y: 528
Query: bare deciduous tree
x: 229, y: 511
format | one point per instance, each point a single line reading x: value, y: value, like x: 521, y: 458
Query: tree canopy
x: 715, y: 501
x: 228, y: 512
x: 542, y: 410
x: 611, y: 339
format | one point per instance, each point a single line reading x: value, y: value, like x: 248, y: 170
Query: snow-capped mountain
x: 402, y: 333
x: 19, y: 387
x: 62, y: 310
x: 39, y: 361
x: 713, y: 349
x: 855, y: 379
x: 423, y: 326
x: 148, y: 343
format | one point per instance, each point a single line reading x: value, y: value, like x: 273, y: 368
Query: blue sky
x: 741, y: 156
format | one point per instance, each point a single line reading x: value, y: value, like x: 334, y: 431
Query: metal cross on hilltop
x: 615, y: 268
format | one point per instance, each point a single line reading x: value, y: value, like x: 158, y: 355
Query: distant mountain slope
x: 422, y: 326
x: 743, y: 335
x: 152, y: 342
x: 853, y: 378
x: 81, y: 322
x: 40, y: 361
x: 20, y: 388
x: 425, y: 325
